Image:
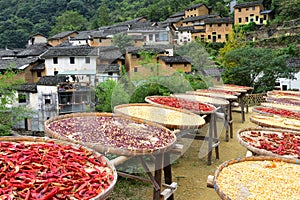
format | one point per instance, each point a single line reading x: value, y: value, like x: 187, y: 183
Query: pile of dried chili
x: 51, y: 171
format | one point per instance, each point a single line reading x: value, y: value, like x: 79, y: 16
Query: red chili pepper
x: 51, y: 194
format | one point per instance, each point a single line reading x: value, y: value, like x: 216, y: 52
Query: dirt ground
x: 190, y: 171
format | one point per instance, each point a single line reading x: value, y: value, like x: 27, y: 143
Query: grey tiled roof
x: 48, y: 80
x: 179, y: 14
x: 223, y: 20
x: 62, y: 35
x: 7, y: 53
x: 29, y: 87
x: 293, y: 62
x: 136, y: 50
x: 198, y: 31
x: 212, y: 71
x: 174, y: 59
x: 186, y: 28
x: 173, y: 19
x: 105, y: 68
x: 247, y: 4
x: 105, y: 52
x: 33, y: 50
x: 197, y: 18
x: 196, y: 6
x: 16, y: 63
x: 38, y: 67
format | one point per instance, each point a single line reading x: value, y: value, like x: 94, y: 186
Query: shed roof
x: 197, y: 18
x: 224, y: 20
x: 174, y: 59
x: 48, y: 80
x: 105, y: 68
x: 248, y: 4
x: 62, y: 35
x: 33, y: 50
x: 178, y: 14
x: 136, y: 50
x: 29, y: 87
x: 211, y: 71
x: 17, y: 63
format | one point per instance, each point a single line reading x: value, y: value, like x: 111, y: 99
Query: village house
x: 217, y: 29
x: 37, y: 39
x: 247, y: 12
x: 138, y: 68
x: 61, y: 37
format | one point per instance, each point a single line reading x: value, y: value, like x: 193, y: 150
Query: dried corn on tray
x: 258, y: 178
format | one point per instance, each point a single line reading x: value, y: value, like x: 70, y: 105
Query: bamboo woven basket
x: 222, y: 194
x: 295, y: 108
x: 198, y: 121
x: 214, y: 95
x: 263, y: 152
x: 272, y: 121
x: 204, y: 99
x: 31, y: 139
x: 147, y: 99
x: 110, y: 148
x: 256, y: 109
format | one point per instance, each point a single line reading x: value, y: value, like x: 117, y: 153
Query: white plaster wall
x: 64, y: 65
x: 291, y: 84
x: 184, y: 37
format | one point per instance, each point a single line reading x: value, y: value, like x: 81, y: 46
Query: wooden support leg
x: 242, y: 107
x: 230, y: 119
x: 215, y: 135
x: 210, y: 139
x: 157, y: 175
x: 168, y: 172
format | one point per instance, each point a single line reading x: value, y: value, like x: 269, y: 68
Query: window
x: 135, y: 69
x: 251, y: 15
x: 22, y: 98
x: 39, y: 74
x: 253, y: 7
x: 226, y: 24
x: 256, y: 18
x: 55, y: 73
x: 209, y: 37
x: 240, y: 20
x: 47, y: 101
x: 247, y: 8
x: 171, y: 65
x: 226, y: 36
x: 219, y: 25
x: 110, y: 73
x: 72, y: 60
x: 185, y: 65
x: 247, y: 19
x: 265, y: 17
x: 219, y: 36
x: 87, y: 60
x: 239, y: 10
x: 150, y: 37
x: 156, y: 37
x: 210, y: 25
x: 55, y: 60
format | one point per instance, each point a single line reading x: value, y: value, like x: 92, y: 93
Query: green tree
x: 109, y: 94
x: 101, y: 18
x: 69, y: 21
x: 256, y: 67
x: 197, y: 55
x: 9, y: 114
x: 122, y: 40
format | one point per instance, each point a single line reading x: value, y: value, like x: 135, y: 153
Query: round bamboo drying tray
x: 223, y: 91
x: 264, y: 152
x: 169, y: 117
x: 260, y: 177
x: 290, y: 107
x: 276, y: 122
x: 204, y: 99
x: 214, y: 95
x: 31, y: 139
x: 109, y: 147
x: 148, y: 99
x: 280, y: 96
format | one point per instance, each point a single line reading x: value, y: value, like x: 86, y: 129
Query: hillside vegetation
x: 19, y: 19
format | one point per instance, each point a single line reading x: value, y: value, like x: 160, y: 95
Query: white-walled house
x: 290, y: 84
